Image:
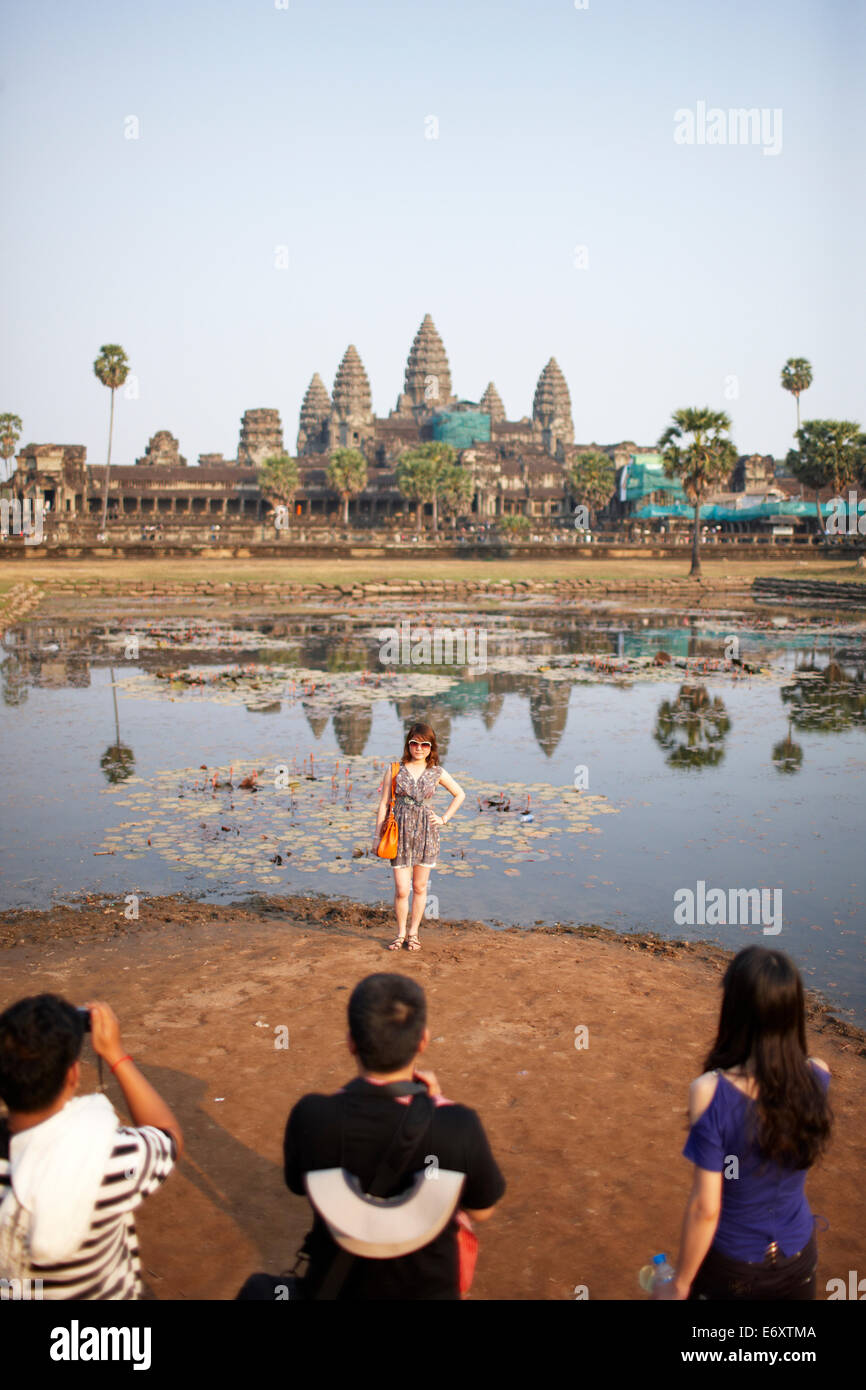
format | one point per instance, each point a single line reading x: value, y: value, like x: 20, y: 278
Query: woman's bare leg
x: 420, y: 876
x: 402, y: 885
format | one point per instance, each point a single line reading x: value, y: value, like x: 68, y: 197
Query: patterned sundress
x: 418, y: 841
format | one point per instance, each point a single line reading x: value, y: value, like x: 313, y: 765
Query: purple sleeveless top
x: 757, y: 1206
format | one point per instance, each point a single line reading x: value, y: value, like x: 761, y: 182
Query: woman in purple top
x: 418, y: 825
x: 759, y: 1119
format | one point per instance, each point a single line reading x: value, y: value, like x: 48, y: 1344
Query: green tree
x: 590, y: 480
x: 423, y: 476
x: 347, y: 475
x: 457, y: 491
x: 10, y: 433
x: 701, y: 465
x: 278, y: 480
x: 112, y: 368
x: 832, y: 454
x: 797, y: 377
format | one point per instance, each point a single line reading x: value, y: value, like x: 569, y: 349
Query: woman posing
x: 759, y: 1120
x: 418, y: 826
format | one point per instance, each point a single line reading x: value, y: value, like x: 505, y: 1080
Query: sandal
x: 412, y: 942
x: 397, y: 943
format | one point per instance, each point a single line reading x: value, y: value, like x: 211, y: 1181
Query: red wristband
x: 126, y: 1058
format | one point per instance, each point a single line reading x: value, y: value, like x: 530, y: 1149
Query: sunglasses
x: 417, y: 743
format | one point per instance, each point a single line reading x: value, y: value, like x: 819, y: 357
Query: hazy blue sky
x: 306, y: 127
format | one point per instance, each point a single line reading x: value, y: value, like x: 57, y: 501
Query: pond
x: 697, y: 775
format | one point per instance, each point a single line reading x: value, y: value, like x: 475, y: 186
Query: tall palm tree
x: 278, y: 480
x: 347, y: 475
x: 797, y: 377
x: 10, y: 432
x: 112, y: 368
x: 703, y: 464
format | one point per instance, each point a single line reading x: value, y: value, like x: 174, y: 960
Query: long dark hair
x: 425, y: 732
x: 763, y: 1017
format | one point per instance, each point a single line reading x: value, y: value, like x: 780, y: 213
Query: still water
x: 626, y: 783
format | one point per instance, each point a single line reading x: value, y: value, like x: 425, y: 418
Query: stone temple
x: 518, y: 466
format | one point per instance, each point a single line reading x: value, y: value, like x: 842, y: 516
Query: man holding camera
x: 70, y: 1175
x: 391, y: 1168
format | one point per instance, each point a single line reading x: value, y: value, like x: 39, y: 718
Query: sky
x: 235, y: 190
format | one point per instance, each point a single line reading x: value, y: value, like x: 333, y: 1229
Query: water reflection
x: 787, y: 755
x: 352, y: 725
x: 118, y: 760
x: 825, y: 700
x: 692, y: 728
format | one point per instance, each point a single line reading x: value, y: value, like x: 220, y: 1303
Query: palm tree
x: 347, y: 475
x: 420, y: 476
x: 112, y: 368
x: 797, y: 377
x: 10, y: 432
x: 832, y: 453
x: 423, y: 476
x: 591, y: 479
x: 278, y: 480
x: 703, y: 464
x: 457, y: 489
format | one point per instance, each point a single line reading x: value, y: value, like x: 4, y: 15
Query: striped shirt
x: 107, y: 1265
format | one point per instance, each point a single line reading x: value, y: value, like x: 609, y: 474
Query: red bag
x: 467, y: 1253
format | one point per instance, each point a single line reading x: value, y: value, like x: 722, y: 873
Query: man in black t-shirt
x: 355, y: 1129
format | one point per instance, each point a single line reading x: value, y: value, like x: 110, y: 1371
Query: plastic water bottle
x: 659, y: 1272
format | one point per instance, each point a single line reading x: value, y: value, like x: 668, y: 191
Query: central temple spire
x: 427, y: 383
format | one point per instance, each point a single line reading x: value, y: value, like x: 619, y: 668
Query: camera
x: 84, y: 1015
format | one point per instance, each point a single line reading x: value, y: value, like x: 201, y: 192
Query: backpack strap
x: 414, y: 1124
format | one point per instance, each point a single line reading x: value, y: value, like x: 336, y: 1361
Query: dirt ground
x: 588, y: 1137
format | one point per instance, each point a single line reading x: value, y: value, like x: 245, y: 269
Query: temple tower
x: 163, y: 451
x: 427, y: 382
x: 261, y: 437
x: 315, y: 415
x: 352, y: 405
x: 491, y: 403
x: 551, y: 408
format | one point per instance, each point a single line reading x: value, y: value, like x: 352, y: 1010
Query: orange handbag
x: 390, y: 835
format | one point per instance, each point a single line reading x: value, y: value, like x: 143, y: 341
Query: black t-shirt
x: 354, y: 1130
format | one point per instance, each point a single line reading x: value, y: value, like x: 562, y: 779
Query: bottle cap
x: 659, y: 1259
